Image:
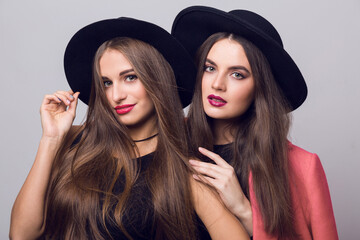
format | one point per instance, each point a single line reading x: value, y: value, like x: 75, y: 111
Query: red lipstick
x: 122, y: 109
x: 216, y: 101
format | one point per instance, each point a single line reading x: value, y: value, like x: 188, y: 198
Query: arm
x: 27, y: 216
x: 223, y: 178
x: 219, y: 221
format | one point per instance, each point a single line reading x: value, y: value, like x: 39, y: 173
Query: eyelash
x: 239, y: 77
x: 128, y: 78
x: 134, y: 77
x: 206, y: 68
x: 107, y: 84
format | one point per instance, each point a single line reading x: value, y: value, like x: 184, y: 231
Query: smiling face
x: 124, y: 90
x: 227, y: 82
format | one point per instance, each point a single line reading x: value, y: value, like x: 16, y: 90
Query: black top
x: 224, y: 151
x: 139, y: 214
x: 138, y: 218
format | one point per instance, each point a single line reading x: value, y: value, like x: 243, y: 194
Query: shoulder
x: 298, y: 152
x: 304, y: 163
x: 300, y: 156
x: 204, y: 197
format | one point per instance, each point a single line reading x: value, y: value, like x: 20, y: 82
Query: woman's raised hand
x: 222, y: 177
x: 58, y: 112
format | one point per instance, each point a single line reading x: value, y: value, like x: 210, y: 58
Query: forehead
x: 228, y: 51
x: 113, y: 59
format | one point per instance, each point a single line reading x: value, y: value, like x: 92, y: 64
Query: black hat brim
x: 80, y: 51
x: 194, y: 25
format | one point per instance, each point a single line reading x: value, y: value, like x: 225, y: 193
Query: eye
x: 130, y: 78
x: 237, y: 75
x: 107, y: 84
x: 209, y: 68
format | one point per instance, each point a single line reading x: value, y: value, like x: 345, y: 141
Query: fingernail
x: 68, y: 102
x: 71, y: 96
x: 59, y: 99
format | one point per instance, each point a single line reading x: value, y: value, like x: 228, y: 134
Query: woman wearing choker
x: 238, y: 122
x: 123, y: 174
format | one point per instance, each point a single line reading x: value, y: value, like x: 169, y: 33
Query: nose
x: 219, y: 82
x: 118, y: 92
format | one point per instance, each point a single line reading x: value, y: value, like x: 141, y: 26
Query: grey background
x: 322, y: 36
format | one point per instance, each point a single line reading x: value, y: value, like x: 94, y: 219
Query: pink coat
x: 314, y: 217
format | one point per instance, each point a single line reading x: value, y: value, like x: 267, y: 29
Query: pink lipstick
x: 122, y: 109
x: 216, y: 101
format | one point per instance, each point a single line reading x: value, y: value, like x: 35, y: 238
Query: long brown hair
x: 80, y: 194
x: 260, y: 139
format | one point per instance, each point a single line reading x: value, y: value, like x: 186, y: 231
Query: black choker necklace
x: 145, y: 139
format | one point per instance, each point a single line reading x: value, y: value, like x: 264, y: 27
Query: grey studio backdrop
x: 322, y: 36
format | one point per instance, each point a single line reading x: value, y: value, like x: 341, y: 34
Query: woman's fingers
x: 73, y: 104
x: 213, y: 156
x: 51, y: 98
x: 208, y: 169
x: 65, y: 97
x: 205, y: 179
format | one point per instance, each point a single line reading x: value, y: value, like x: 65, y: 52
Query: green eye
x: 107, y: 83
x: 208, y: 68
x: 237, y: 75
x: 130, y: 78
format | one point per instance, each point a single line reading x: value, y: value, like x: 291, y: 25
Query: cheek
x: 108, y: 95
x: 204, y: 86
x: 245, y: 97
x: 145, y: 97
x: 141, y: 93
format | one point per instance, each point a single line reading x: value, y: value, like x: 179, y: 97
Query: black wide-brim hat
x: 193, y: 25
x: 80, y: 52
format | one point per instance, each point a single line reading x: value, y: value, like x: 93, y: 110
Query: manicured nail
x: 59, y: 99
x: 71, y: 96
x: 68, y: 102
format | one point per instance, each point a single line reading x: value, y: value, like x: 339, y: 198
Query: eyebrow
x: 121, y: 74
x: 237, y: 67
x: 126, y: 71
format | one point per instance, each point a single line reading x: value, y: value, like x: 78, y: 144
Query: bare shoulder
x: 219, y: 221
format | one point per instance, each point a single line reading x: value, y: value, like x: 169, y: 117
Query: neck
x: 142, y: 132
x: 222, y: 131
x: 143, y: 129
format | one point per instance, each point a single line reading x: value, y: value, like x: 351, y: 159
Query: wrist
x: 243, y: 211
x: 54, y: 141
x: 244, y: 214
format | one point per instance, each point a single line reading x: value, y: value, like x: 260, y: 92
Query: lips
x: 216, y: 101
x: 123, y: 109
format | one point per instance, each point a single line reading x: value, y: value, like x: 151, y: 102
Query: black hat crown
x: 258, y: 22
x: 193, y: 25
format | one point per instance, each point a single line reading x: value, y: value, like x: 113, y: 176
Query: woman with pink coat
x: 246, y: 87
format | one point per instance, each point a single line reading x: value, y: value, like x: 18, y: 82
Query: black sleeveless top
x: 139, y: 217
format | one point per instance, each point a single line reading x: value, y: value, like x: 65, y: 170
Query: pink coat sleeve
x: 321, y: 216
